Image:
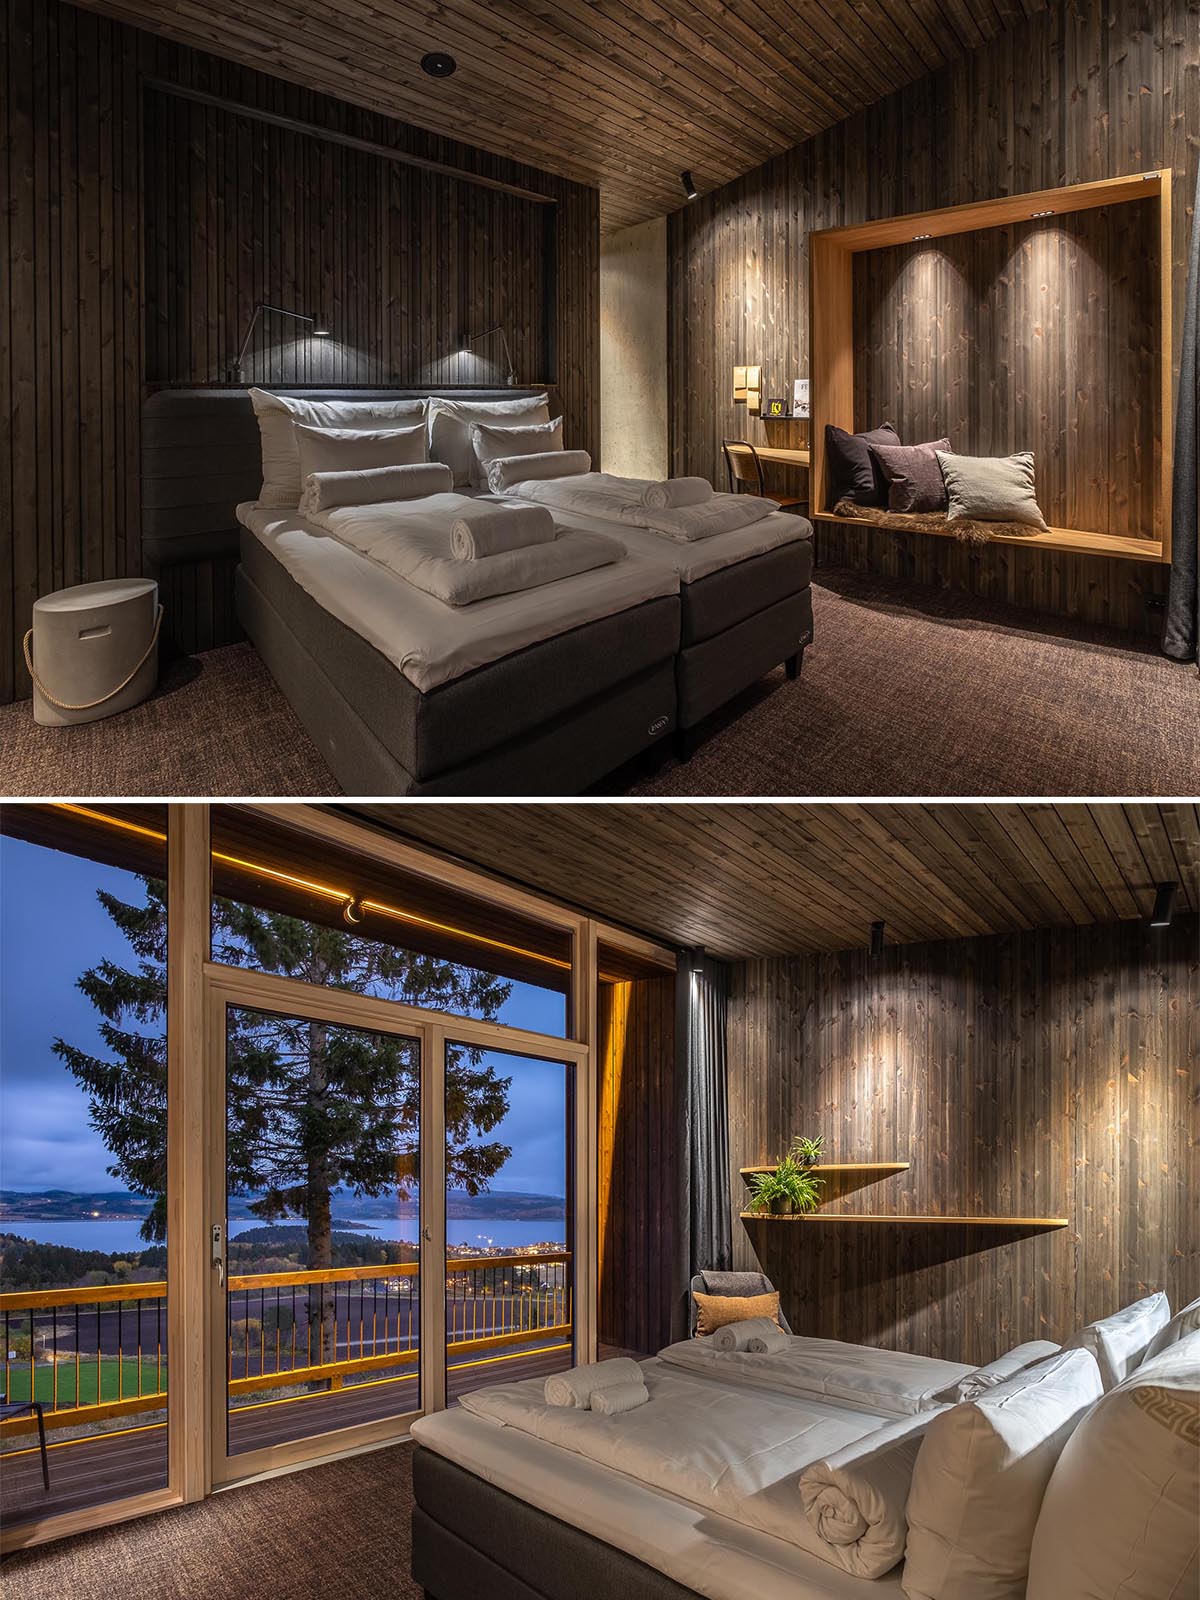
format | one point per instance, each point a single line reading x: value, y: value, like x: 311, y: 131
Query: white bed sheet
x: 692, y: 561
x: 432, y: 643
x: 717, y: 1557
x: 888, y: 1381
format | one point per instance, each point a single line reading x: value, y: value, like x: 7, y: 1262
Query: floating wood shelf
x: 1042, y: 1223
x: 1076, y: 539
x: 881, y: 1168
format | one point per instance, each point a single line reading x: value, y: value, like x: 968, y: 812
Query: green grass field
x: 110, y: 1379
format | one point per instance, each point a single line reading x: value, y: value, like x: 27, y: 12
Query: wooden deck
x: 86, y: 1472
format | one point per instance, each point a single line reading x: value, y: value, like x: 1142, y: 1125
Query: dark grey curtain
x: 1181, y: 632
x: 704, y: 1003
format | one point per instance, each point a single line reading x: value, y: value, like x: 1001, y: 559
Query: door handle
x: 218, y: 1252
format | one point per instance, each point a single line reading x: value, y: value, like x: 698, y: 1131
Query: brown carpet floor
x: 906, y: 691
x: 337, y: 1532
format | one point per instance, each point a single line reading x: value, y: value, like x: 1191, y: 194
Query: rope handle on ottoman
x: 90, y: 705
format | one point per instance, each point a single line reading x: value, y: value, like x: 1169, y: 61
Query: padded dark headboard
x: 201, y: 457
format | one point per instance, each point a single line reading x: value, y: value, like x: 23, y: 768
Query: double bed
x: 545, y: 692
x: 693, y: 1494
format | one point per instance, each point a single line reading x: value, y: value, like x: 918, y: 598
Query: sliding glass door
x: 315, y: 1246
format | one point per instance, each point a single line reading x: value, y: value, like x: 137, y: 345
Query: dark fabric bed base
x: 711, y: 672
x: 715, y: 604
x: 471, y: 1541
x: 460, y: 722
x: 563, y: 756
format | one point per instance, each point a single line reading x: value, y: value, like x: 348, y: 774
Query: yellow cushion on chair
x: 714, y: 1311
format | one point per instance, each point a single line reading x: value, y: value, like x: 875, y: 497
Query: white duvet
x: 714, y: 1445
x: 889, y: 1382
x: 414, y: 540
x: 620, y: 500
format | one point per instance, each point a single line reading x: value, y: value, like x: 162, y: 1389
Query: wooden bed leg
x: 794, y: 663
x: 685, y: 744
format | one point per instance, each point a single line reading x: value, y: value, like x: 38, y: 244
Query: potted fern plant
x: 807, y: 1152
x: 788, y: 1188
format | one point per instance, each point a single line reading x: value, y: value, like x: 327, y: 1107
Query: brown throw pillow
x: 714, y: 1311
x: 913, y: 475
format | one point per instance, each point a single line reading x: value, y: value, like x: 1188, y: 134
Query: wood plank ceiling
x: 619, y: 96
x: 757, y: 880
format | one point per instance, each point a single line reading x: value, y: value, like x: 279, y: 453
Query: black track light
x: 877, y: 938
x: 695, y: 958
x: 1164, y: 905
x: 689, y: 188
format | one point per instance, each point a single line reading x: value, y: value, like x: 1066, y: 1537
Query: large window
x: 336, y: 917
x: 83, y: 1154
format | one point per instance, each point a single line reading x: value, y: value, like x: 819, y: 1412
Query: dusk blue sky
x: 52, y: 928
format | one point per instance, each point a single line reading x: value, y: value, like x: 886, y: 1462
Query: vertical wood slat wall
x: 637, y: 1161
x: 402, y: 261
x: 1045, y: 1073
x: 1074, y: 93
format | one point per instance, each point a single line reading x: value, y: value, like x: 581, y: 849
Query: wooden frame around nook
x: 832, y: 252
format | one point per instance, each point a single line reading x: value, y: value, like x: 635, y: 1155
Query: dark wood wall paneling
x: 1046, y: 1073
x: 401, y: 261
x: 1075, y: 93
x: 637, y: 1162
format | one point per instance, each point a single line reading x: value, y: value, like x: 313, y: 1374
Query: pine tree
x: 311, y: 1107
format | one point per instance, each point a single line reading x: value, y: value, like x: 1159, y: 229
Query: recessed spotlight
x: 438, y: 64
x: 689, y: 188
x: 917, y: 236
x: 1041, y: 213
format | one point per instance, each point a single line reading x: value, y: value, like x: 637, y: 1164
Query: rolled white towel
x: 769, y: 1342
x: 619, y: 1397
x: 737, y: 1335
x: 856, y: 1498
x: 503, y: 473
x: 576, y: 1387
x: 677, y: 492
x: 487, y: 529
x: 372, y: 486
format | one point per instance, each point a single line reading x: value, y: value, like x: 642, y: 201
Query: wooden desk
x: 771, y: 452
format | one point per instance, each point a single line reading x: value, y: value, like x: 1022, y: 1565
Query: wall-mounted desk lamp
x: 467, y: 340
x: 319, y: 331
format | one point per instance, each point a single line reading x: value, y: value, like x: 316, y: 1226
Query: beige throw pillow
x: 715, y: 1311
x: 991, y: 489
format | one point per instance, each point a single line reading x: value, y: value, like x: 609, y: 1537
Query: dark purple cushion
x: 914, y: 477
x: 853, y: 475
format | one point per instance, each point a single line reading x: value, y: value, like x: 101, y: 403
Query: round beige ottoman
x: 93, y: 650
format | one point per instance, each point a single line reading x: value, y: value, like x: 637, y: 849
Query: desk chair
x: 743, y: 466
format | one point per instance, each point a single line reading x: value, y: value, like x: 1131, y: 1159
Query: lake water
x: 90, y: 1233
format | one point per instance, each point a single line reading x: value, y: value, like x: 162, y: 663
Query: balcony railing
x: 94, y: 1354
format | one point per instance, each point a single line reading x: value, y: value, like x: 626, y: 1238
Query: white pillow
x: 1181, y: 1324
x: 1000, y: 1370
x: 354, y: 450
x: 489, y: 443
x: 276, y: 414
x: 450, y: 426
x: 1121, y: 1516
x: 980, y: 1476
x: 1119, y: 1342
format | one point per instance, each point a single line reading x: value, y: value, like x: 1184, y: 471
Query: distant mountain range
x: 68, y: 1205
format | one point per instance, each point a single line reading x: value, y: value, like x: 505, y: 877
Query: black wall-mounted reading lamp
x: 467, y: 340
x: 877, y: 938
x: 319, y: 331
x: 689, y: 187
x: 1164, y: 905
